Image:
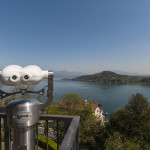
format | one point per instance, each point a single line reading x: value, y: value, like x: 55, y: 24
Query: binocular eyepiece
x: 14, y: 74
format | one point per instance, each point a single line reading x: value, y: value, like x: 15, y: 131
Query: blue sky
x: 76, y: 35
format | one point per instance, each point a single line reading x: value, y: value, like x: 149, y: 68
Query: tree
x: 89, y: 131
x: 89, y: 127
x: 118, y: 141
x: 132, y: 121
x: 71, y: 104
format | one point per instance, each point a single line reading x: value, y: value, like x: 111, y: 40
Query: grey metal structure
x: 70, y: 139
x: 23, y: 114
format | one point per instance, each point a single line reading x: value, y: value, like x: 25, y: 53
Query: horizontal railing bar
x: 49, y: 117
x: 56, y: 117
x: 2, y: 115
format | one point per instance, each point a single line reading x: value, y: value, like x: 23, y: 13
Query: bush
x: 42, y: 142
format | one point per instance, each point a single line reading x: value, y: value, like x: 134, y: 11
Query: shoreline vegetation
x: 108, y: 77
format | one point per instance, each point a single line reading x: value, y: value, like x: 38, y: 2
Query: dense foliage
x: 129, y: 127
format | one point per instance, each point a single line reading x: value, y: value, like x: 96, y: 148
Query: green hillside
x: 109, y: 77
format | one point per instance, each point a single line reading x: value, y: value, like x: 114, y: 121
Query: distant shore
x: 108, y: 77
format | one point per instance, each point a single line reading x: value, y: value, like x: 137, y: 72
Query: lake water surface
x: 109, y: 96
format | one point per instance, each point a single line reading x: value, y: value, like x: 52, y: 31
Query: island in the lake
x: 109, y: 77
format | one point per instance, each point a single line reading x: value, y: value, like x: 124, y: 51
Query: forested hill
x: 113, y: 78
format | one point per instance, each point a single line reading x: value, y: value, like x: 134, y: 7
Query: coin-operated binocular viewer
x: 23, y: 114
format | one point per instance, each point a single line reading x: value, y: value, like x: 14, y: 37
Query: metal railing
x: 64, y: 131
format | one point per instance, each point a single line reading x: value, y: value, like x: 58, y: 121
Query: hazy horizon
x: 116, y: 71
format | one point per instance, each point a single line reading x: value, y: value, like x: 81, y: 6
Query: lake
x: 109, y: 96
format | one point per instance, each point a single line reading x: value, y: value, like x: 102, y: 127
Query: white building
x: 97, y: 111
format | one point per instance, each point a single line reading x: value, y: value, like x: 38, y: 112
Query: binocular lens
x: 14, y: 77
x: 26, y: 77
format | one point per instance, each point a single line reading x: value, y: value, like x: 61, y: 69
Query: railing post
x: 7, y: 136
x: 57, y: 135
x: 76, y: 142
x: 37, y: 136
x: 77, y: 139
x: 67, y: 123
x: 0, y: 133
x: 47, y: 134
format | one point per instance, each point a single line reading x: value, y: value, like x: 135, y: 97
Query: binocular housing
x: 29, y: 75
